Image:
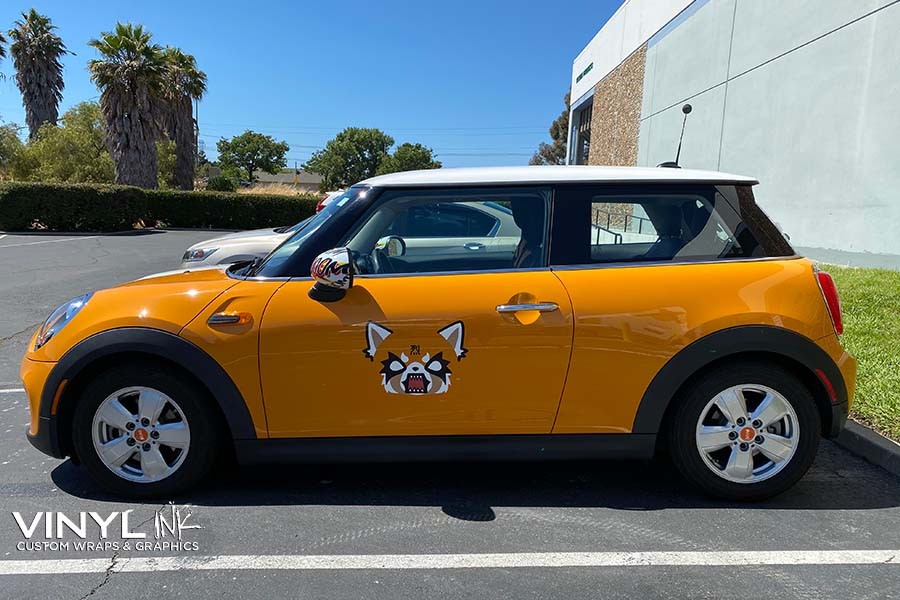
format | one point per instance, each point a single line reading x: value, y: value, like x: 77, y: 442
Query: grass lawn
x: 871, y: 304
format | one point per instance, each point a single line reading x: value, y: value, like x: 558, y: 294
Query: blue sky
x: 478, y: 81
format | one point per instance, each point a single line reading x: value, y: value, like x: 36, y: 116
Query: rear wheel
x: 748, y: 431
x: 145, y: 432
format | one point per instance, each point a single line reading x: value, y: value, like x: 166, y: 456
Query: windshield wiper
x: 253, y: 266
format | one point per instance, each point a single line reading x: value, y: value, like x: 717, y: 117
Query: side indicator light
x: 230, y: 318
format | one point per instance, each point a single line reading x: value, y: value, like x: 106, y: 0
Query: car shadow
x: 470, y: 491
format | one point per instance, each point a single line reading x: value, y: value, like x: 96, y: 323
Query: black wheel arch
x: 108, y: 348
x: 799, y: 354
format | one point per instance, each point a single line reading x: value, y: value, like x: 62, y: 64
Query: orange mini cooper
x: 512, y: 313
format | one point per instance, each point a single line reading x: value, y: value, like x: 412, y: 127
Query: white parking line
x: 340, y: 562
x: 13, y: 391
x: 71, y: 239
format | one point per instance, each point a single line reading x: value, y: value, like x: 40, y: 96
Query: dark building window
x: 581, y: 135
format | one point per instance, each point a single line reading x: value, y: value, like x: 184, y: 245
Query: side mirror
x: 392, y: 245
x: 333, y: 273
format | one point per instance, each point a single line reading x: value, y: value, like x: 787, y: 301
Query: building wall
x: 803, y: 95
x: 627, y: 30
x: 616, y: 117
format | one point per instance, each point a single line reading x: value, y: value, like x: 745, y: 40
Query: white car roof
x: 551, y: 174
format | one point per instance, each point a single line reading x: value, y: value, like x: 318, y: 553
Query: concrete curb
x: 872, y: 446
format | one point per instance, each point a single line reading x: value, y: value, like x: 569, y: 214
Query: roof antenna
x: 686, y: 109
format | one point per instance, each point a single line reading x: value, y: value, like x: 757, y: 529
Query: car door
x: 467, y: 348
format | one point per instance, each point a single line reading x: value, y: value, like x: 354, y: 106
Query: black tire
x: 205, y: 429
x: 682, y: 429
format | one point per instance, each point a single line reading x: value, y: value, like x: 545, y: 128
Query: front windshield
x: 299, y: 226
x: 302, y: 231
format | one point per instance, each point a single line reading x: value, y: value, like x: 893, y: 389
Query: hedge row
x: 62, y: 207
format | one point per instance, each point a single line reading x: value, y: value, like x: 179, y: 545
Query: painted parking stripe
x: 71, y: 239
x: 341, y: 562
x: 13, y: 391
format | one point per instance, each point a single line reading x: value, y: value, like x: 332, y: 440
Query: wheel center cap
x: 747, y: 434
x: 141, y: 435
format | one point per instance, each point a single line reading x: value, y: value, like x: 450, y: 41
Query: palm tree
x: 183, y: 83
x: 130, y: 76
x: 2, y: 46
x: 36, y: 53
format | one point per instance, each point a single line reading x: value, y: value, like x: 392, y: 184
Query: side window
x: 445, y: 231
x: 661, y: 227
x: 444, y: 220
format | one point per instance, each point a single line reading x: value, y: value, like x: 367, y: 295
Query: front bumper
x: 42, y: 427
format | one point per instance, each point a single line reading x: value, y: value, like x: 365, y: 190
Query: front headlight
x: 59, y: 318
x: 197, y: 254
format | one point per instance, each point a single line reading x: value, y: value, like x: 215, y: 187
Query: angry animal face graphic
x: 402, y: 374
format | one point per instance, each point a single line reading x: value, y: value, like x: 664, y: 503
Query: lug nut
x: 129, y: 426
x: 130, y: 441
x: 744, y: 447
x: 145, y: 421
x: 146, y: 446
x: 732, y: 435
x: 759, y: 439
x: 154, y: 434
x: 741, y: 420
x: 757, y: 423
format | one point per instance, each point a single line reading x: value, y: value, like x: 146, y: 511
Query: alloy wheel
x: 141, y: 434
x: 747, y: 433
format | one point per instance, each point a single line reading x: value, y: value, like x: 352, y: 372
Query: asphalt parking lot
x: 585, y: 529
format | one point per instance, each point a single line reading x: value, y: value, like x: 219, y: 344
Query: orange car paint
x: 318, y: 382
x: 631, y: 321
x: 301, y: 369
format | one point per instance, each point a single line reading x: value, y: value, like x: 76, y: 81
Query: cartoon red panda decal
x: 402, y: 374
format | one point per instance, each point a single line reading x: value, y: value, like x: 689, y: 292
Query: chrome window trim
x: 581, y: 267
x: 448, y: 273
x: 662, y: 263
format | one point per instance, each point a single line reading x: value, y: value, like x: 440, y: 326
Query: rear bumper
x: 843, y: 391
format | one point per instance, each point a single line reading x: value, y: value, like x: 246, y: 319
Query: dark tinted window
x: 654, y: 223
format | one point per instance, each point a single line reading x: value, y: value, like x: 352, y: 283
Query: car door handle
x: 540, y: 307
x: 473, y: 246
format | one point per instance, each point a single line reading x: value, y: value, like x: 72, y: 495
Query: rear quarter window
x: 651, y: 223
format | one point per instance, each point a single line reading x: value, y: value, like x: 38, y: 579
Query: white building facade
x: 802, y: 94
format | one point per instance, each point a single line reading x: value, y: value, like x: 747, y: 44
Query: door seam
x: 562, y: 392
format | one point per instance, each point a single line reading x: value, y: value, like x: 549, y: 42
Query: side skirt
x: 440, y: 448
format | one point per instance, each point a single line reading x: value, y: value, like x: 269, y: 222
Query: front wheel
x: 144, y: 432
x: 748, y: 431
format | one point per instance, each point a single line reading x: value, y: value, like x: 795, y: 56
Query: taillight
x: 320, y: 205
x: 832, y: 300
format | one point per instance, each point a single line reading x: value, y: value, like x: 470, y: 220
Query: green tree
x: 555, y: 152
x: 36, y: 51
x: 10, y: 149
x: 129, y: 75
x: 72, y: 152
x: 250, y: 152
x: 409, y: 157
x: 353, y: 155
x: 167, y: 154
x: 183, y: 83
x: 2, y: 46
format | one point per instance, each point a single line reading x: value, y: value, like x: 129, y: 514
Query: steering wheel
x: 381, y: 262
